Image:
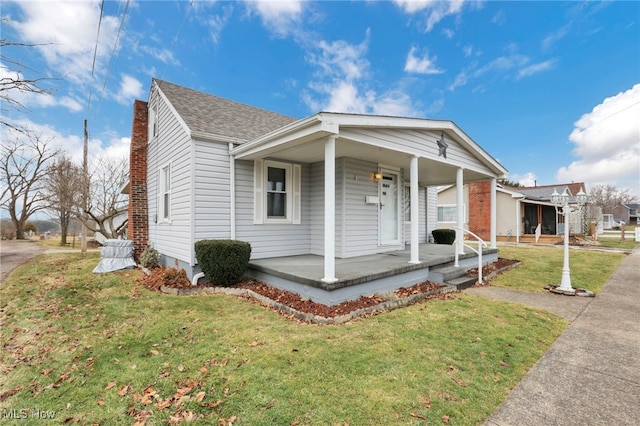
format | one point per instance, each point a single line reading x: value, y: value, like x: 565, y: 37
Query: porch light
x: 561, y: 203
x: 377, y: 176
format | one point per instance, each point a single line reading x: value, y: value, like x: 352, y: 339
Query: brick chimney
x: 480, y: 209
x: 138, y: 208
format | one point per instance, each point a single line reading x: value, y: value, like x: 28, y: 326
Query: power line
x: 113, y: 54
x: 95, y: 52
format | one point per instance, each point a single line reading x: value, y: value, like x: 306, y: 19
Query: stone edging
x: 493, y: 274
x: 384, y: 306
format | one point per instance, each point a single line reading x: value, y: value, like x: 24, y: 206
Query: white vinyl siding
x: 164, y: 194
x: 419, y: 142
x: 273, y: 239
x: 171, y: 146
x: 212, y: 204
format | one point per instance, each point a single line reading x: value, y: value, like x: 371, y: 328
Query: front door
x: 389, y: 208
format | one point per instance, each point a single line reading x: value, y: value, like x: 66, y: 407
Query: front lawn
x: 102, y: 349
x: 590, y: 269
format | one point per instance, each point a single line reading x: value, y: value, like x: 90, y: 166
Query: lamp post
x: 562, y: 201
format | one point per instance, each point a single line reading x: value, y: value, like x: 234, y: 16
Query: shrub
x: 223, y: 261
x: 150, y: 258
x: 444, y: 236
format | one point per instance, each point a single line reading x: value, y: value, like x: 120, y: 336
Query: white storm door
x: 389, y: 208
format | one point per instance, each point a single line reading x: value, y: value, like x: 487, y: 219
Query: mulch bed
x: 177, y: 279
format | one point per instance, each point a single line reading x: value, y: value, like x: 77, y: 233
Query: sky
x: 549, y: 89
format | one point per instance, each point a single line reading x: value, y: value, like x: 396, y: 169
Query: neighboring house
x: 623, y: 213
x: 519, y: 211
x: 633, y: 214
x: 333, y: 185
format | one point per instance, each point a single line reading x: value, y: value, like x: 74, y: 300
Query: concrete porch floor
x: 362, y: 275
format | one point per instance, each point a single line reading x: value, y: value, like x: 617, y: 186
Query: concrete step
x: 462, y: 282
x: 443, y: 274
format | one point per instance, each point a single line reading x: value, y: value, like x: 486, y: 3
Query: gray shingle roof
x: 543, y: 193
x: 205, y: 113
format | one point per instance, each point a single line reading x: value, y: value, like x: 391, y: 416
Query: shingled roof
x: 543, y: 193
x: 215, y: 116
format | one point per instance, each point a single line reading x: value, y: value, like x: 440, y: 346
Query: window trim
x: 164, y: 194
x: 293, y: 178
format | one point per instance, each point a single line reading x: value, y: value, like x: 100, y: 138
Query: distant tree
x: 30, y: 227
x: 15, y: 83
x: 23, y: 166
x: 64, y: 192
x: 608, y: 197
x: 506, y: 182
x: 107, y: 205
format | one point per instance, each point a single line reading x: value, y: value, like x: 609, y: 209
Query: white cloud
x: 278, y: 16
x: 422, y: 64
x: 130, y: 89
x: 607, y: 144
x: 527, y: 179
x: 461, y: 80
x: 499, y: 18
x: 66, y: 33
x: 536, y: 68
x: 435, y: 10
x: 341, y: 84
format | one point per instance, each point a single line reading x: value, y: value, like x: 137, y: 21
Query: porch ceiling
x: 430, y: 171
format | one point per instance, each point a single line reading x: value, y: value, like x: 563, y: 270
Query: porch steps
x: 455, y: 277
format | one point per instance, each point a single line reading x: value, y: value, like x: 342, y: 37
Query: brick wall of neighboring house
x: 138, y: 209
x: 480, y: 209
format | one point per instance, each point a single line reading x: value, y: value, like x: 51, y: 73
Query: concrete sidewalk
x: 591, y: 374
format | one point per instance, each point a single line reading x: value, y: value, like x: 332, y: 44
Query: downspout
x: 518, y: 220
x: 232, y: 194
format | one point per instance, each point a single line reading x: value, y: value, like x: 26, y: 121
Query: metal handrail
x: 478, y: 251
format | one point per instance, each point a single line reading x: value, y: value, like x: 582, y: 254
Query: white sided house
x: 326, y: 188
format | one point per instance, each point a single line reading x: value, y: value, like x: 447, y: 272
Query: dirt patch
x: 492, y: 269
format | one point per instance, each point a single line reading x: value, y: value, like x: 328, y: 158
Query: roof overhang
x: 303, y: 141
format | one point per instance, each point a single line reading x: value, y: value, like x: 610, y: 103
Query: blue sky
x: 550, y: 89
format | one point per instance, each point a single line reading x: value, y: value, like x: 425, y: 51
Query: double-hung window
x: 449, y: 213
x: 164, y: 192
x: 276, y: 192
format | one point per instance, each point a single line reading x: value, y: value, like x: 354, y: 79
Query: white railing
x: 478, y: 251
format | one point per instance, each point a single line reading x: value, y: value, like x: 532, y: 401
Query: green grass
x: 615, y: 243
x: 543, y: 265
x: 102, y: 349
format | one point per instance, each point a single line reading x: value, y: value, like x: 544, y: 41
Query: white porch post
x: 494, y: 214
x: 415, y: 212
x: 459, y: 210
x: 330, y: 210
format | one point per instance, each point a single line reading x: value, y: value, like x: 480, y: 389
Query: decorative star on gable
x: 442, y: 145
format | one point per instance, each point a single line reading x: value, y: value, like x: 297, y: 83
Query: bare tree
x: 14, y: 83
x: 608, y: 197
x: 107, y: 207
x: 23, y: 167
x: 63, y: 187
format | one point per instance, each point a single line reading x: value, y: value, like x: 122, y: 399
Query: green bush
x: 223, y: 261
x: 444, y: 236
x: 150, y: 258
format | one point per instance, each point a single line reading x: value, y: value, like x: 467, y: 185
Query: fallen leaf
x: 200, y: 396
x: 418, y: 416
x: 123, y: 390
x: 154, y: 352
x: 180, y: 368
x: 100, y: 402
x: 269, y: 405
x: 110, y: 385
x: 445, y: 419
x: 296, y: 423
x: 254, y: 343
x: 504, y: 364
x: 426, y: 401
x: 459, y: 382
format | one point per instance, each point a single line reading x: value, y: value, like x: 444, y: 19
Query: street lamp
x: 562, y: 201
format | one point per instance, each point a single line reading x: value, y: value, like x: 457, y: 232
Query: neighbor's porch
x: 366, y: 275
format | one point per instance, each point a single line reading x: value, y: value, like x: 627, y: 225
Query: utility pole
x: 85, y: 190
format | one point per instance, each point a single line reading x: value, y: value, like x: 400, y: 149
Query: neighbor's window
x: 165, y: 193
x: 447, y: 213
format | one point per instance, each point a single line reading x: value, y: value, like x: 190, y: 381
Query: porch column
x: 330, y: 210
x: 415, y: 212
x: 494, y: 214
x: 459, y: 211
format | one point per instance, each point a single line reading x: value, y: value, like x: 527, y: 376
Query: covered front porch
x: 366, y: 275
